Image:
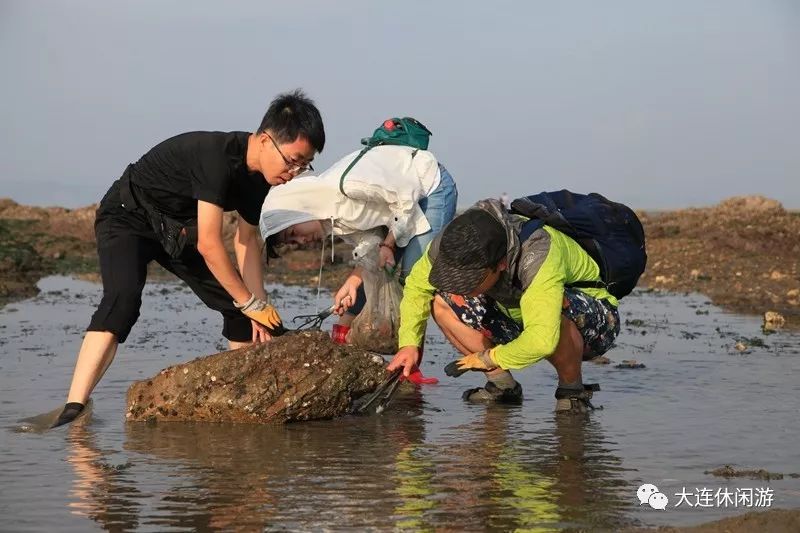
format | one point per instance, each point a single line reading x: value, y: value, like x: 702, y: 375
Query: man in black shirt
x: 168, y: 207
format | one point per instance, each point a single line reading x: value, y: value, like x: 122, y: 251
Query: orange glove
x: 262, y: 312
x: 479, y: 361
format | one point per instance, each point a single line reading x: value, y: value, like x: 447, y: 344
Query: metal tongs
x: 382, y: 394
x: 313, y: 322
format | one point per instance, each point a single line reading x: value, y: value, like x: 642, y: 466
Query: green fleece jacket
x: 542, y: 265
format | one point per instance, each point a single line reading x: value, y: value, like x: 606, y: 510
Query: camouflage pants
x: 597, y: 320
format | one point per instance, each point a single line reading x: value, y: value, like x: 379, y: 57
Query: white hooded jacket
x: 382, y: 189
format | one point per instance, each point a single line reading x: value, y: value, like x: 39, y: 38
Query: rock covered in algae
x: 300, y: 376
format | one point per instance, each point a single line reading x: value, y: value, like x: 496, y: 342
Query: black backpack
x: 610, y: 232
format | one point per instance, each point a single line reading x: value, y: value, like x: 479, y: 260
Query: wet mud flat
x: 774, y: 521
x: 430, y: 461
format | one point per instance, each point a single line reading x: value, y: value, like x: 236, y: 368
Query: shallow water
x: 429, y: 462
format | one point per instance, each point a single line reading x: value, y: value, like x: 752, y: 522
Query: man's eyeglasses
x: 292, y: 166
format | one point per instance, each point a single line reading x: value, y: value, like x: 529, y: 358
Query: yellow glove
x: 479, y: 361
x: 262, y: 312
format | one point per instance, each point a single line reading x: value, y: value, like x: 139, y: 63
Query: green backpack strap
x: 351, y: 165
x: 354, y: 161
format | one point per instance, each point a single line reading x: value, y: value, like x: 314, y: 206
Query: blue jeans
x: 439, y: 209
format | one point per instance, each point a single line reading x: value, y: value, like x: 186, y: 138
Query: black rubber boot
x: 491, y: 393
x: 570, y: 400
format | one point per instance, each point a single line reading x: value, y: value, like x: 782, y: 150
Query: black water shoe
x: 70, y: 413
x: 575, y: 400
x: 491, y: 393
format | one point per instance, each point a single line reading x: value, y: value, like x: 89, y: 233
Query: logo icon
x: 650, y: 495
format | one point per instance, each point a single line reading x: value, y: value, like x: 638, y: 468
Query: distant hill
x: 742, y: 253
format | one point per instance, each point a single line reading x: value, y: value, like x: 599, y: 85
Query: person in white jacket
x: 395, y: 197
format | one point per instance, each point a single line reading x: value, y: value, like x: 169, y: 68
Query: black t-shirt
x: 201, y: 165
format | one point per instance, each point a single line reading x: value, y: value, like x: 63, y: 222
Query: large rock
x: 300, y: 376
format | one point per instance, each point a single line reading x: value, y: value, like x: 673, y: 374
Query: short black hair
x: 292, y: 115
x: 474, y: 239
x: 473, y: 242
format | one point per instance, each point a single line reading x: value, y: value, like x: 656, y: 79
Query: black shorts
x: 125, y: 246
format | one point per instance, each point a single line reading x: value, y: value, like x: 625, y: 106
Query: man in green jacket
x: 506, y: 304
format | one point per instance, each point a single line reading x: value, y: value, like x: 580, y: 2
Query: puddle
x: 428, y: 462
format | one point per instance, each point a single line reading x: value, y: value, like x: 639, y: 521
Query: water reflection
x: 100, y: 491
x: 511, y: 475
x: 590, y: 479
x: 310, y: 475
x: 497, y: 471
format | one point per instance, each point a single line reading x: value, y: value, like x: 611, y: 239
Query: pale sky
x: 656, y: 104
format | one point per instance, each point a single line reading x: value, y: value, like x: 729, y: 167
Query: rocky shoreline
x: 742, y: 253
